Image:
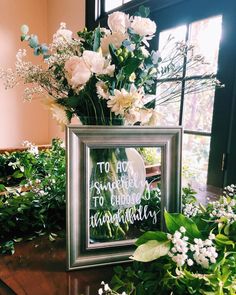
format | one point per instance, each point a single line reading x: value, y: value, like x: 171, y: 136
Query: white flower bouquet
x: 103, y: 76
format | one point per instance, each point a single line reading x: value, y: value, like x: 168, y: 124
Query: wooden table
x: 38, y: 267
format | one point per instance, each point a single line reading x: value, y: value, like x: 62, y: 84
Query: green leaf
x: 175, y: 220
x: 2, y: 187
x: 151, y: 235
x: 151, y: 250
x: 132, y: 64
x: 17, y: 174
x: 224, y: 240
x: 97, y: 37
x: 114, y: 57
x: 71, y: 101
x: 151, y: 104
x: 51, y: 238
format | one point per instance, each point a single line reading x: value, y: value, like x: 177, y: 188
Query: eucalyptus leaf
x: 97, y: 37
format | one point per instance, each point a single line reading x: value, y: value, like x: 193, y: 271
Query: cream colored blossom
x: 62, y: 34
x: 145, y: 116
x: 118, y: 22
x: 143, y: 26
x: 102, y: 89
x: 154, y: 119
x: 132, y: 116
x: 115, y: 38
x: 77, y: 72
x: 123, y: 100
x: 58, y: 111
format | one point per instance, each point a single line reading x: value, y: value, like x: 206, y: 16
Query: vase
x: 116, y: 186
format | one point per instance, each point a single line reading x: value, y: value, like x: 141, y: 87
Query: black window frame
x: 222, y: 159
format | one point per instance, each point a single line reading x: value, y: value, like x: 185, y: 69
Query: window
x: 110, y: 5
x: 209, y: 118
x: 187, y: 108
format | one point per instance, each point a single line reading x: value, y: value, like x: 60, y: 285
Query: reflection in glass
x: 195, y: 159
x: 194, y: 117
x: 205, y: 36
x: 124, y: 195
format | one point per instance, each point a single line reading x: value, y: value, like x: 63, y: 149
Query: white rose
x: 77, y: 72
x: 118, y: 22
x: 115, y: 38
x: 94, y: 60
x: 143, y: 26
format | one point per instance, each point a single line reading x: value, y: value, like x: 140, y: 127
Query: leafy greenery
x: 156, y: 272
x: 34, y: 198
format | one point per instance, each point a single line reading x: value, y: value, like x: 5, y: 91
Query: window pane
x: 167, y: 46
x: 198, y: 109
x: 168, y: 108
x: 205, y: 36
x: 109, y: 5
x: 195, y: 160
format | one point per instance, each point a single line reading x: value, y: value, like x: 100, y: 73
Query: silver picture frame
x: 80, y: 140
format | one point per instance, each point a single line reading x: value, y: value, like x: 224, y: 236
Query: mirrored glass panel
x: 124, y: 193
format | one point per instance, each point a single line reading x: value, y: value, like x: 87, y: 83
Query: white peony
x: 143, y: 26
x: 94, y: 60
x: 77, y: 72
x: 118, y: 22
x: 97, y: 63
x: 115, y: 38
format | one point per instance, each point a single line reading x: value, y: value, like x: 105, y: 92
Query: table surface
x: 38, y: 267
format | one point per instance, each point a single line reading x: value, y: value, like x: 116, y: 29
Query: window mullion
x: 183, y: 81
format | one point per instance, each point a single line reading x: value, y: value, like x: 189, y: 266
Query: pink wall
x: 72, y: 12
x: 20, y: 120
